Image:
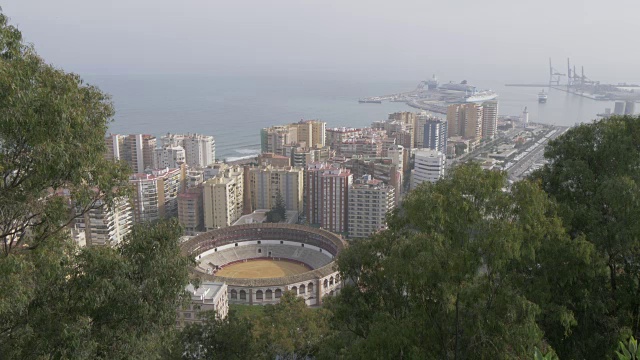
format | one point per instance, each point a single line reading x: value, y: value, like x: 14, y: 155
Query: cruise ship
x: 481, y: 96
x: 542, y: 97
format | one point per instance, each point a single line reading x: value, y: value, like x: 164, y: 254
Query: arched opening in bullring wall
x: 268, y: 294
x: 243, y: 295
x: 259, y: 295
x: 278, y: 293
x: 234, y: 294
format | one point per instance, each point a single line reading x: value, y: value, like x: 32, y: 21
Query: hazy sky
x: 505, y: 39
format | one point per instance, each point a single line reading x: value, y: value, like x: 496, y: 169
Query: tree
x: 593, y: 174
x: 51, y: 139
x: 58, y: 301
x: 229, y: 338
x: 279, y: 211
x: 449, y: 277
x: 290, y: 330
x: 96, y: 302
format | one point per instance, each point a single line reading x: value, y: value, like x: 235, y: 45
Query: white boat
x: 542, y: 97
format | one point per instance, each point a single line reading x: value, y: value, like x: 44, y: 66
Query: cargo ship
x: 542, y: 97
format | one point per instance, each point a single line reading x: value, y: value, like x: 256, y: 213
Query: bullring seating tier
x: 313, y: 258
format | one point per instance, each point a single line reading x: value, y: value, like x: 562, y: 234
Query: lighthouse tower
x: 525, y: 117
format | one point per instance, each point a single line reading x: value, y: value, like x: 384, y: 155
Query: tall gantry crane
x: 554, y: 75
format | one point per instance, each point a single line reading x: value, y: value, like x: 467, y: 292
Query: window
x: 236, y: 244
x: 302, y: 245
x: 278, y: 293
x: 259, y: 251
x: 259, y: 242
x: 295, y: 290
x: 268, y: 294
x: 326, y: 283
x: 281, y: 242
x: 234, y: 294
x: 259, y: 295
x: 243, y: 295
x: 331, y: 280
x: 302, y: 289
x: 310, y: 288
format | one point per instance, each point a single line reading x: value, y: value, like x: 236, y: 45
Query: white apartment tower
x: 369, y: 203
x: 199, y: 150
x: 489, y: 119
x: 106, y: 225
x: 168, y: 157
x: 223, y: 198
x: 429, y: 166
x: 156, y: 194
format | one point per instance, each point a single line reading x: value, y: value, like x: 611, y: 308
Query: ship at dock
x: 542, y: 97
x: 370, y: 101
x: 481, y: 96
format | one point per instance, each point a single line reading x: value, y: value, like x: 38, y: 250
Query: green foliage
x: 93, y: 303
x: 287, y: 330
x: 454, y: 276
x: 51, y: 138
x: 223, y: 339
x: 548, y: 356
x: 629, y: 351
x: 593, y: 174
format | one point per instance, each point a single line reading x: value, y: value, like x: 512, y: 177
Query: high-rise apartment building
x: 266, y: 182
x: 199, y: 150
x: 168, y: 157
x: 137, y: 150
x: 274, y: 139
x: 156, y: 194
x: 465, y: 120
x: 223, y: 198
x: 489, y: 119
x: 335, y: 136
x: 327, y: 191
x: 191, y: 209
x: 369, y: 203
x: 106, y: 225
x: 435, y: 135
x: 409, y: 119
x: 429, y: 166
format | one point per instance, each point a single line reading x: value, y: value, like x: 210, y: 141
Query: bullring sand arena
x: 259, y: 262
x: 258, y: 269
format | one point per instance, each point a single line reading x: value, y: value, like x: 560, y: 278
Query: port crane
x: 554, y: 75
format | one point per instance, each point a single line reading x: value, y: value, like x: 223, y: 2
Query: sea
x: 234, y: 108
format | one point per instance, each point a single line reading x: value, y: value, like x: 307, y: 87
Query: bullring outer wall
x: 312, y: 285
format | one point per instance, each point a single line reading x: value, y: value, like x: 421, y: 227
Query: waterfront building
x: 193, y: 178
x: 209, y: 296
x: 105, y: 225
x: 327, y: 190
x: 191, y: 209
x: 429, y: 166
x: 156, y: 193
x: 168, y: 157
x: 435, y: 135
x: 200, y: 150
x: 629, y: 107
x: 311, y: 132
x: 114, y: 143
x: 274, y: 160
x: 213, y: 170
x: 273, y: 139
x: 619, y: 108
x: 266, y: 182
x: 489, y: 119
x: 369, y: 203
x: 223, y: 198
x: 137, y: 150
